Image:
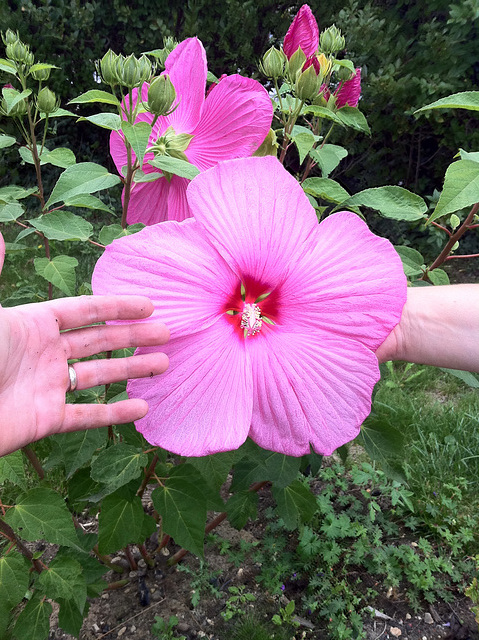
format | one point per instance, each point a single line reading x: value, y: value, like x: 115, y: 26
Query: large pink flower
x: 231, y: 122
x: 274, y: 319
x: 303, y: 32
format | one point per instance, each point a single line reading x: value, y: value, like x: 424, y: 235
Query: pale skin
x: 36, y: 343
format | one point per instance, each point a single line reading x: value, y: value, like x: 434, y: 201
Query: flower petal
x: 236, y: 119
x: 349, y: 92
x: 178, y: 208
x: 309, y: 391
x: 173, y: 264
x: 203, y: 403
x: 303, y: 33
x: 186, y: 66
x: 256, y: 215
x: 149, y: 201
x: 350, y: 284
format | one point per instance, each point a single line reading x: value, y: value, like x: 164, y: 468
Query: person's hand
x: 36, y: 340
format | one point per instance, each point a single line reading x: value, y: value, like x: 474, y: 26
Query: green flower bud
x: 331, y: 40
x: 46, y: 101
x: 9, y: 37
x: 295, y: 64
x: 272, y: 65
x: 344, y: 74
x: 18, y: 111
x: 161, y: 95
x: 308, y: 84
x: 133, y: 72
x: 106, y: 68
x: 169, y: 44
x: 40, y: 75
x: 269, y: 146
x: 19, y: 52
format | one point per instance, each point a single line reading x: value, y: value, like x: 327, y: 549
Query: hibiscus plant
x: 274, y: 317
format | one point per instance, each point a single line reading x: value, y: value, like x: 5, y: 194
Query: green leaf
x: 70, y: 618
x: 466, y: 376
x: 304, y: 141
x: 6, y: 141
x: 321, y: 112
x: 348, y: 64
x: 60, y: 271
x: 384, y: 444
x: 353, y: 118
x: 241, y: 507
x: 412, y: 261
x: 463, y: 100
x: 111, y: 121
x: 12, y: 192
x: 391, y: 201
x: 461, y: 188
x: 95, y: 95
x: 63, y: 225
x: 10, y: 211
x: 84, y: 177
x: 469, y: 155
x: 64, y: 579
x: 281, y: 470
x: 328, y: 157
x: 8, y: 66
x: 59, y: 113
x: 138, y: 136
x: 326, y: 189
x: 42, y: 514
x: 182, y: 507
x: 59, y: 157
x: 41, y: 66
x: 78, y: 447
x: 119, y: 523
x: 295, y: 504
x: 114, y: 231
x: 33, y: 623
x: 12, y: 468
x: 118, y: 465
x: 87, y: 201
x: 214, y: 471
x: 438, y: 276
x: 141, y: 176
x: 13, y: 97
x: 14, y: 579
x: 175, y: 166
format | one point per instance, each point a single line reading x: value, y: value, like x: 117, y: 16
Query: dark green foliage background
x: 410, y: 53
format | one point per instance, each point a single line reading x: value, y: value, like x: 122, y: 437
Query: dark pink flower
x: 303, y: 33
x: 348, y: 93
x: 231, y: 122
x: 274, y: 319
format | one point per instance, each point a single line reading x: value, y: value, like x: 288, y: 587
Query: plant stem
x: 9, y: 533
x: 146, y: 556
x: 130, y: 558
x: 149, y: 472
x: 32, y: 456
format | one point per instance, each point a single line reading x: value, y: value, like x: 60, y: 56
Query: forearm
x: 439, y: 326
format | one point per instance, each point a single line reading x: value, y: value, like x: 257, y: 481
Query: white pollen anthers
x: 251, y: 320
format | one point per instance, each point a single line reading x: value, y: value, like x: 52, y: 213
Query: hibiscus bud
x: 19, y: 52
x: 272, y: 65
x: 269, y: 145
x: 161, y: 95
x: 295, y: 63
x: 133, y: 72
x: 9, y: 37
x: 169, y: 44
x: 106, y: 67
x: 331, y: 40
x: 308, y: 84
x: 46, y: 101
x: 40, y: 75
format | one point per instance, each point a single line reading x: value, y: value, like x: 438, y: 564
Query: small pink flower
x: 303, y: 33
x: 274, y: 319
x: 347, y: 94
x: 231, y: 122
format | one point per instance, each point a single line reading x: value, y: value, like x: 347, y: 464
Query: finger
x: 80, y: 343
x: 107, y: 371
x: 85, y: 310
x: 92, y: 416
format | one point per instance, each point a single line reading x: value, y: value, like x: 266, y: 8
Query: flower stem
x: 35, y: 462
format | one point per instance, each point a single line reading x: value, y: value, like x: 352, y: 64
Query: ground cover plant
x: 168, y: 139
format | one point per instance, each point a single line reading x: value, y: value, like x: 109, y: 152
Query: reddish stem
x: 130, y: 558
x: 9, y: 533
x: 32, y: 456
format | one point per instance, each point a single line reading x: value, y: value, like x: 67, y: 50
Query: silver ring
x: 72, y: 374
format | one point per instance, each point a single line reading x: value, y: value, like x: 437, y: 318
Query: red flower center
x: 252, y: 305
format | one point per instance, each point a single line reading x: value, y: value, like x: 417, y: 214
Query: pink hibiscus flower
x: 231, y: 122
x: 274, y: 318
x: 303, y: 33
x: 348, y: 93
